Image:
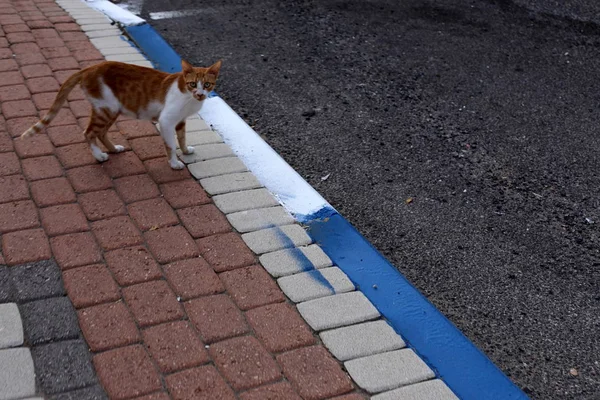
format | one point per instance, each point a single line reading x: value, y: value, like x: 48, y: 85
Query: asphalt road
x: 485, y: 113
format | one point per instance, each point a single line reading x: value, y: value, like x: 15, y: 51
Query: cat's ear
x: 214, y: 69
x: 186, y: 67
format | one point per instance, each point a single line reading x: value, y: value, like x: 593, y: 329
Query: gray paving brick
x: 429, y: 390
x: 245, y: 200
x: 193, y: 138
x: 207, y: 152
x: 277, y: 238
x: 91, y: 393
x: 361, y: 340
x: 5, y: 292
x: 253, y: 220
x: 75, y: 370
x: 95, y: 25
x: 219, y: 166
x: 386, y: 371
x: 17, y: 377
x: 292, y: 261
x: 314, y: 284
x: 36, y: 281
x: 11, y: 326
x: 196, y: 124
x: 49, y: 320
x: 110, y: 42
x: 126, y: 57
x: 107, y: 51
x: 104, y: 33
x: 230, y: 183
x: 337, y: 310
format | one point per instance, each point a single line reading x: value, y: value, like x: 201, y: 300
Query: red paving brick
x: 16, y: 92
x: 9, y: 164
x: 75, y: 155
x: 50, y: 192
x: 64, y: 117
x: 175, y: 346
x: 314, y: 373
x: 30, y: 59
x: 101, y: 205
x: 17, y: 126
x: 171, y: 244
x: 160, y: 170
x: 33, y: 146
x: 63, y: 219
x: 192, y: 278
x: 136, y: 188
x: 201, y: 383
x: 149, y: 147
x: 75, y: 250
x: 132, y: 265
x: 41, y: 85
x: 225, y: 252
x: 155, y: 396
x: 251, y: 287
x: 115, y: 233
x: 275, y: 391
x: 89, y: 178
x: 127, y: 372
x: 90, y: 285
x: 5, y: 142
x: 152, y: 303
x: 44, y: 167
x: 123, y: 164
x: 44, y: 101
x: 206, y: 220
x: 63, y: 63
x: 19, y: 108
x: 14, y: 187
x: 36, y: 71
x: 11, y: 78
x: 185, y: 193
x: 25, y: 246
x: 18, y: 215
x: 152, y: 214
x: 107, y: 326
x: 279, y: 327
x: 65, y: 135
x: 216, y: 317
x: 244, y: 362
x: 134, y: 128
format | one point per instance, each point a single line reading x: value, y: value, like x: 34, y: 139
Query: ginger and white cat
x: 115, y: 88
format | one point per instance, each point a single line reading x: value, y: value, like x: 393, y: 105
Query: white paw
x: 176, y: 164
x: 119, y: 148
x: 190, y: 150
x: 100, y: 156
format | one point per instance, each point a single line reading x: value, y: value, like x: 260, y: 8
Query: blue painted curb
x: 464, y: 368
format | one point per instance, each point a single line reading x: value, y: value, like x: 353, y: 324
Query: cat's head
x: 200, y: 81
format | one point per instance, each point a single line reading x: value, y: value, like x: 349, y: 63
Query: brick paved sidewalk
x: 169, y: 299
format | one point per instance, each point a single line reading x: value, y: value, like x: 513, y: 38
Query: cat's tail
x: 60, y: 99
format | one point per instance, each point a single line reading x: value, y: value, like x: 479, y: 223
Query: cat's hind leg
x: 180, y: 128
x: 167, y: 131
x: 98, y: 125
x: 110, y: 146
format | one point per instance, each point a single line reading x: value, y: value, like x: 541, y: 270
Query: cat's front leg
x: 167, y: 131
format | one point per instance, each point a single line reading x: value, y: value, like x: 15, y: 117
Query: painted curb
x: 463, y: 367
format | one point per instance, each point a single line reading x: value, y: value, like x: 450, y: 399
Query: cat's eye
x: 207, y: 85
x: 192, y: 84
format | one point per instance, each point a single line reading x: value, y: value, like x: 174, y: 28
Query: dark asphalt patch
x: 485, y: 113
